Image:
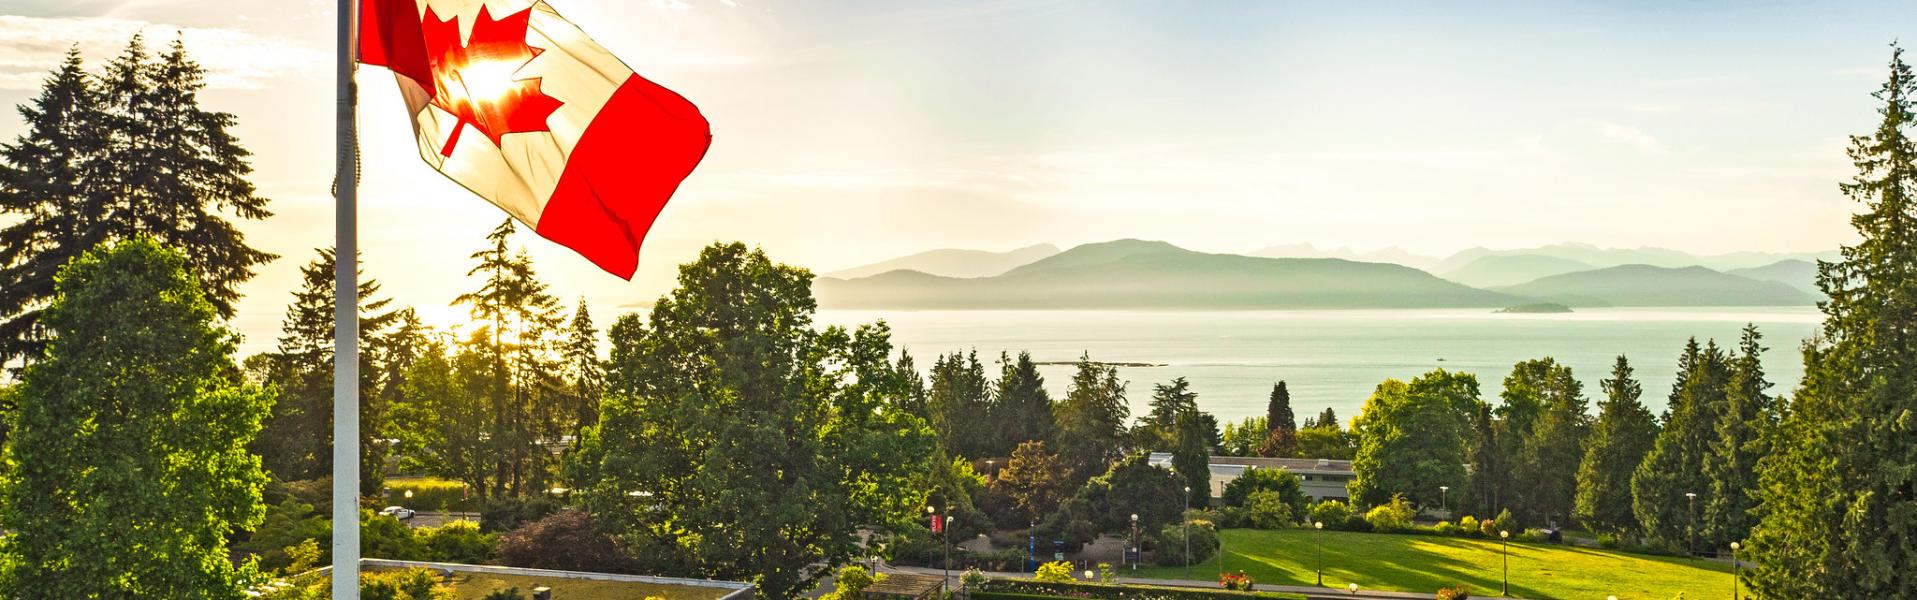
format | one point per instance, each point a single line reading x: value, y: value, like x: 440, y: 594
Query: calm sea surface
x: 1335, y: 358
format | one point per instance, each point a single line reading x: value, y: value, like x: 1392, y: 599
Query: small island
x: 1534, y: 309
x: 1058, y: 363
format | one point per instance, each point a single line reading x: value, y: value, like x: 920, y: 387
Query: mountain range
x: 1138, y: 274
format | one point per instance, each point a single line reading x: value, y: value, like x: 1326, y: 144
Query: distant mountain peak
x: 950, y: 262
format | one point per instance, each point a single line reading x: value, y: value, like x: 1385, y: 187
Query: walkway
x: 1311, y: 592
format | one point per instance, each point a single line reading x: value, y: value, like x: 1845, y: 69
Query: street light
x: 1690, y: 541
x: 1444, y: 500
x: 1353, y: 588
x: 1187, y: 519
x: 1504, y: 535
x: 948, y: 548
x: 1736, y: 571
x: 1320, y: 526
x: 1138, y: 553
x: 991, y: 469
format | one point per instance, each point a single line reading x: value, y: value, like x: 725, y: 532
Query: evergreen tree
x: 1486, y: 495
x: 1329, y: 419
x: 1675, y: 465
x: 1546, y: 472
x: 1731, y: 464
x: 1023, y: 412
x: 1161, y: 429
x: 1282, y: 438
x: 1091, y: 420
x: 1191, y: 455
x: 914, y: 400
x: 443, y: 426
x: 126, y: 154
x: 584, y: 375
x: 960, y: 393
x: 519, y: 320
x: 298, y: 439
x: 1623, y: 435
x: 1840, y: 490
x: 127, y: 467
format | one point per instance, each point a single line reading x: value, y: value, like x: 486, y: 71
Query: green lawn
x: 1419, y: 563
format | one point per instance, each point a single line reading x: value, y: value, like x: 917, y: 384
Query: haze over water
x: 1336, y: 357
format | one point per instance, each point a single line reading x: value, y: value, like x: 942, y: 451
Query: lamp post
x: 1320, y: 526
x: 1444, y: 500
x: 1736, y: 571
x: 1187, y: 520
x: 1504, y: 537
x: 1690, y: 536
x: 1139, y: 553
x: 948, y: 548
x: 991, y: 469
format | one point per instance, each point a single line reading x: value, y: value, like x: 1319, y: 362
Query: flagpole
x: 345, y: 576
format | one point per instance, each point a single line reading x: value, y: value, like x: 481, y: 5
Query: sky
x: 851, y: 132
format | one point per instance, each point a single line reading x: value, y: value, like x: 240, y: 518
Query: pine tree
x: 1191, y: 455
x: 1329, y: 419
x: 298, y: 438
x: 1160, y: 429
x: 585, y: 377
x: 1546, y: 472
x: 1282, y: 439
x: 1091, y: 420
x: 914, y: 401
x: 1840, y: 491
x: 128, y: 469
x: 519, y: 319
x: 1731, y: 464
x: 1675, y: 465
x: 128, y: 153
x: 958, y: 395
x: 1023, y: 412
x: 1624, y: 433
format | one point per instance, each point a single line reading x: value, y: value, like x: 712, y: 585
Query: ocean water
x: 1336, y: 357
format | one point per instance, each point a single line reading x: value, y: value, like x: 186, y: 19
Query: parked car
x: 398, y: 512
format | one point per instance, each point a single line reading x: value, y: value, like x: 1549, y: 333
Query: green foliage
x: 1245, y: 437
x: 1411, y: 439
x: 1731, y: 465
x: 1022, y: 410
x: 1197, y: 537
x: 128, y: 446
x: 1159, y: 429
x: 959, y: 395
x: 408, y: 584
x: 1281, y: 440
x: 1504, y: 522
x: 443, y: 427
x: 1237, y: 582
x: 1456, y: 592
x: 1333, y: 513
x: 1624, y: 433
x: 297, y: 442
x: 1035, y: 480
x: 285, y: 525
x: 458, y: 542
x: 849, y: 581
x: 732, y: 411
x: 1326, y: 442
x: 1055, y: 571
x: 1393, y: 515
x: 1541, y: 438
x: 568, y: 540
x: 303, y: 556
x: 1840, y: 516
x: 128, y: 152
x: 511, y: 593
x: 1445, y: 528
x: 1132, y: 487
x: 1287, y: 485
x: 1675, y: 465
x: 1026, y: 589
x: 382, y: 536
x: 431, y: 493
x: 1266, y: 509
x: 1468, y: 525
x: 523, y: 402
x: 1091, y: 420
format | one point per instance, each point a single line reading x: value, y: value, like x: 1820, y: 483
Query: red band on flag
x: 626, y: 166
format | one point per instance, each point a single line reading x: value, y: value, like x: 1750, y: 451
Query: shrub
x: 430, y: 494
x: 1468, y: 525
x: 406, y: 584
x: 851, y: 580
x: 1504, y: 522
x: 1054, y: 572
x: 1284, y: 482
x: 511, y: 593
x: 1356, y: 522
x: 1332, y: 513
x: 1394, y: 515
x: 1456, y: 592
x: 1173, y: 544
x: 507, y: 514
x: 1267, y: 510
x: 1532, y: 536
x: 568, y: 541
x: 1445, y: 528
x: 381, y: 536
x: 458, y: 542
x: 972, y: 579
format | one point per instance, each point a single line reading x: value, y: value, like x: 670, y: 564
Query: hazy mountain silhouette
x: 1137, y: 274
x: 1511, y: 269
x: 1599, y: 257
x: 1647, y: 285
x: 1797, y: 273
x: 1389, y: 254
x: 954, y: 263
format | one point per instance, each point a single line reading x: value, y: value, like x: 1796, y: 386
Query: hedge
x: 430, y: 495
x: 1033, y: 590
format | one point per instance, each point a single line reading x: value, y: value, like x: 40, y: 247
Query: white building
x: 1324, y: 478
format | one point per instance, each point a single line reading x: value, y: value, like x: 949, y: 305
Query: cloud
x: 1644, y: 143
x: 31, y: 46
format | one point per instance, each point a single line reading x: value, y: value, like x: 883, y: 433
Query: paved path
x: 1311, y: 592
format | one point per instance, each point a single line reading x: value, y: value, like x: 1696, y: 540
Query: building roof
x: 1296, y: 465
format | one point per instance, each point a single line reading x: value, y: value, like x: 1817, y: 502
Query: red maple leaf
x: 476, y: 80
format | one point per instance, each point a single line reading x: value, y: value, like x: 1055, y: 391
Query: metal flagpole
x: 346, y: 325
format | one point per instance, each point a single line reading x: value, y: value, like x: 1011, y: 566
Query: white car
x: 398, y: 512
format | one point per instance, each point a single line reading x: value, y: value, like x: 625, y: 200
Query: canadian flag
x: 516, y: 104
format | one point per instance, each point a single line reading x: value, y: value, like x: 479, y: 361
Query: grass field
x: 1419, y: 563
